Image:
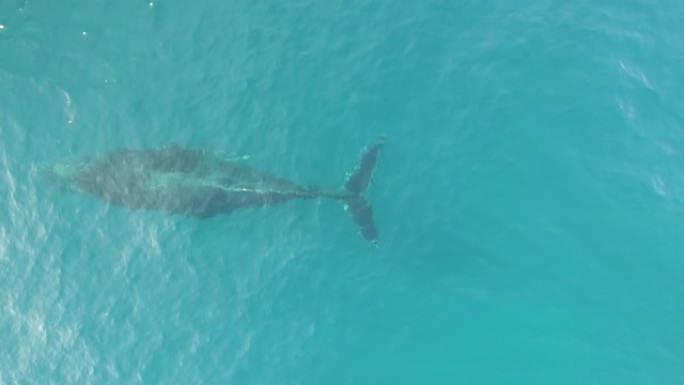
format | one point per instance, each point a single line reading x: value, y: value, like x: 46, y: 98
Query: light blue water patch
x: 528, y: 199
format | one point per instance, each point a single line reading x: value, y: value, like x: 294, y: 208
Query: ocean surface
x: 530, y: 197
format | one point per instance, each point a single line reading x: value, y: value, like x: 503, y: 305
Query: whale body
x: 198, y: 183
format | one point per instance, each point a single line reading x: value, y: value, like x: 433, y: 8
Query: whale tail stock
x: 356, y: 184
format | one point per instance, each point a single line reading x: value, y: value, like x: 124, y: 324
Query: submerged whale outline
x: 197, y: 183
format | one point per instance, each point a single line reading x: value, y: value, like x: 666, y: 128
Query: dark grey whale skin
x: 197, y: 183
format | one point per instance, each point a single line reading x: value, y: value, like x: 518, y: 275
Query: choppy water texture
x: 530, y: 198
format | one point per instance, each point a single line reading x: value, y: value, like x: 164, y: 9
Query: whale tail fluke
x: 356, y: 184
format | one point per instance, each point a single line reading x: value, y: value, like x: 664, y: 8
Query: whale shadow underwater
x: 197, y: 183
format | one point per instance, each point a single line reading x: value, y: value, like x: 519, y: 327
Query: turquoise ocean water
x: 530, y: 199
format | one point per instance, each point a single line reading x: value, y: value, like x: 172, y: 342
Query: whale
x: 199, y: 183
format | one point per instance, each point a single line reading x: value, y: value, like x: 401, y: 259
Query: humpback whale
x: 198, y: 183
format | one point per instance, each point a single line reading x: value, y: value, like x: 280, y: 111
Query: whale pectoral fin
x: 200, y: 215
x: 172, y: 146
x: 230, y: 158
